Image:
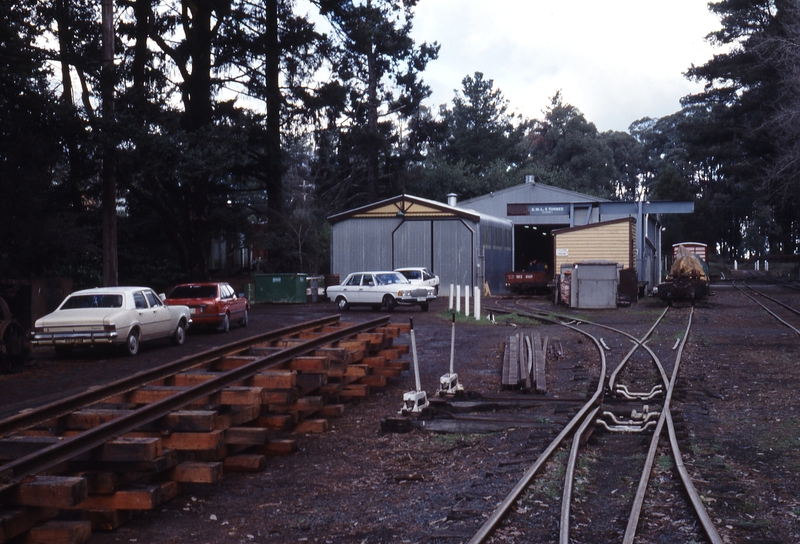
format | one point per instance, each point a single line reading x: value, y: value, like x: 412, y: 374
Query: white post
x: 451, y: 297
x: 466, y: 300
x: 735, y: 264
x: 458, y: 298
x: 757, y: 263
x: 766, y: 265
x: 477, y: 303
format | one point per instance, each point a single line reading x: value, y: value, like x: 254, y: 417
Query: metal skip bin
x: 594, y: 285
x: 286, y: 288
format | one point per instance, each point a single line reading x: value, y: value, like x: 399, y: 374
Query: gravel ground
x: 356, y: 483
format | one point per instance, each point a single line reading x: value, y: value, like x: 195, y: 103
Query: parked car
x: 212, y: 303
x: 418, y: 275
x: 378, y: 289
x: 115, y: 316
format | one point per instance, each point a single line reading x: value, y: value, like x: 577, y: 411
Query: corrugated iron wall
x: 452, y: 248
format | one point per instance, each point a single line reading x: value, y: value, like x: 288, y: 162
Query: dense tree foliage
x: 235, y: 124
x: 732, y: 136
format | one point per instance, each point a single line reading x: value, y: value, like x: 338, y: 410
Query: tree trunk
x: 109, y: 175
x: 274, y: 174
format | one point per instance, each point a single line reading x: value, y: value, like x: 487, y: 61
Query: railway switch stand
x: 448, y: 383
x: 414, y: 401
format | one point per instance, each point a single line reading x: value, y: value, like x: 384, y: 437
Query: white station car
x: 419, y: 275
x: 378, y: 289
x: 112, y: 316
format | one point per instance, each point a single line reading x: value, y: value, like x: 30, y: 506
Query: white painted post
x: 451, y: 297
x: 766, y: 265
x: 458, y: 298
x: 466, y: 300
x: 477, y: 304
x: 735, y: 264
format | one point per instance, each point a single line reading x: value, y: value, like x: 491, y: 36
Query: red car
x: 211, y: 303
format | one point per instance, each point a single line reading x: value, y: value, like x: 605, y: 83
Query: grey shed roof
x: 533, y: 192
x: 414, y: 207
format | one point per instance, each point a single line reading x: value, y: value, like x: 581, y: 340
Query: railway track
x: 605, y: 458
x: 108, y: 453
x: 782, y: 309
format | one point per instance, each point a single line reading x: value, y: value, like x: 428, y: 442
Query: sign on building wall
x: 537, y: 209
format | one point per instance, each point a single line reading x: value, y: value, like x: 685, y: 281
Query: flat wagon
x: 688, y: 279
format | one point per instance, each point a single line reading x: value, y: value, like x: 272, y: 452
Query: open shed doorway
x: 533, y: 247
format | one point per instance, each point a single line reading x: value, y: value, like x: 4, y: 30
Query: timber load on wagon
x: 688, y: 278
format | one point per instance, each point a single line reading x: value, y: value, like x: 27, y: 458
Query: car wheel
x: 245, y: 319
x: 342, y: 303
x: 132, y: 343
x: 424, y: 307
x: 63, y: 351
x: 390, y: 302
x: 226, y: 323
x: 179, y: 336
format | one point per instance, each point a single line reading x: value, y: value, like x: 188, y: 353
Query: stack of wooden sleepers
x: 235, y: 429
x: 524, y: 360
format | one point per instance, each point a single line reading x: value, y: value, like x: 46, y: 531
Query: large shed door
x: 412, y: 243
x: 446, y: 247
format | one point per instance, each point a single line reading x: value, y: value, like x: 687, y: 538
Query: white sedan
x: 116, y: 316
x: 377, y: 289
x: 419, y: 275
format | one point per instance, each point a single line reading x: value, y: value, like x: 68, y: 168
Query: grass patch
x: 484, y: 320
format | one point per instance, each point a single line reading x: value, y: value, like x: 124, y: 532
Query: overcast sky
x: 615, y: 60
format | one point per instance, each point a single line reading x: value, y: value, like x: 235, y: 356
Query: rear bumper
x: 74, y: 338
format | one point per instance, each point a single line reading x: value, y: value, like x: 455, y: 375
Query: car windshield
x: 389, y: 279
x: 194, y: 291
x: 92, y: 301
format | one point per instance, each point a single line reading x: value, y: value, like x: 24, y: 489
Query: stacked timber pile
x: 524, y: 361
x: 234, y: 429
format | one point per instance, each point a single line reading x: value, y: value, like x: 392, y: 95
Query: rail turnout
x: 641, y: 385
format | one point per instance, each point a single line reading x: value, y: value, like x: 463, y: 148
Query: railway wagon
x: 688, y: 278
x: 535, y: 282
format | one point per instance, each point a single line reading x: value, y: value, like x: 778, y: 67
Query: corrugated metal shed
x: 461, y: 246
x: 538, y: 210
x: 535, y: 203
x: 609, y: 241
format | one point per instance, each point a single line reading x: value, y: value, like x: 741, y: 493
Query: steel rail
x: 666, y: 416
x: 569, y: 477
x: 11, y: 474
x: 776, y: 301
x: 500, y: 512
x: 636, y: 341
x: 92, y: 395
x: 612, y: 380
x: 773, y: 314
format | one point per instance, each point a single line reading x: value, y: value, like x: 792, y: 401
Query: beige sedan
x: 115, y: 316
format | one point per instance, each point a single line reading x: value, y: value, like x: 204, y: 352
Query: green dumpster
x: 289, y: 288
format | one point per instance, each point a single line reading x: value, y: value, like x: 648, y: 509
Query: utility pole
x: 109, y: 172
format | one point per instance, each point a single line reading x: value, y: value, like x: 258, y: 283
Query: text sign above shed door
x: 537, y: 209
